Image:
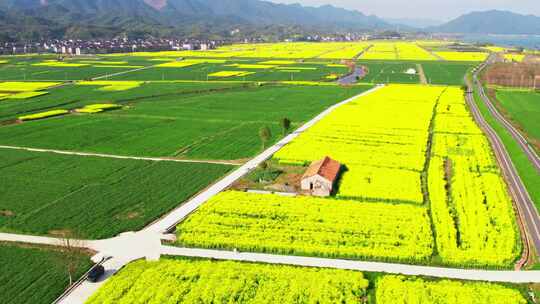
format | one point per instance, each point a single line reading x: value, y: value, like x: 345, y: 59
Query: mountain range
x: 23, y: 20
x: 94, y: 18
x: 492, y: 22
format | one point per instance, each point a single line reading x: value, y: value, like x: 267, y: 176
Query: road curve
x: 520, y: 139
x: 524, y: 204
x: 352, y: 78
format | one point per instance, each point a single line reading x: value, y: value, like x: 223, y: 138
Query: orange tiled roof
x: 327, y: 168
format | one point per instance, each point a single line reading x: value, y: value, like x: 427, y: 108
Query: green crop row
x: 36, y: 275
x: 92, y: 197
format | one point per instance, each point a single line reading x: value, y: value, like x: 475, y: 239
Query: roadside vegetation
x: 35, y: 274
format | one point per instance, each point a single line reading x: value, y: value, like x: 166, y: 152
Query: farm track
x: 421, y: 74
x: 152, y: 159
x: 123, y: 72
x: 526, y: 209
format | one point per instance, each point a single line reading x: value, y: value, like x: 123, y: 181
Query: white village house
x: 320, y: 177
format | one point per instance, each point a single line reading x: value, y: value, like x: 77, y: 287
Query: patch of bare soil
x: 129, y: 216
x: 7, y: 213
x: 61, y: 233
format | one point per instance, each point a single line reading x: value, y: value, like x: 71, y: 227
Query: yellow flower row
x: 392, y: 289
x: 43, y: 115
x: 471, y: 208
x: 14, y: 86
x: 112, y: 85
x: 230, y: 74
x: 98, y: 108
x: 463, y: 56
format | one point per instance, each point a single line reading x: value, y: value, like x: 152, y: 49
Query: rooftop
x: 327, y: 168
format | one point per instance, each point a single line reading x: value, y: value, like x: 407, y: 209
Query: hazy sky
x: 431, y: 9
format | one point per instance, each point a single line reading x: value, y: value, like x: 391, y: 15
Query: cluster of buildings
x: 123, y: 45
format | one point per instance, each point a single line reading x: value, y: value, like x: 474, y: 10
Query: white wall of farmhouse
x: 317, y: 185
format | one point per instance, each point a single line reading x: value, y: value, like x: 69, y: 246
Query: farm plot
x: 448, y: 73
x: 235, y: 70
x: 202, y: 281
x: 35, y: 275
x: 383, y: 148
x: 40, y: 69
x: 384, y: 152
x: 462, y: 56
x: 310, y: 226
x: 389, y: 72
x: 404, y: 290
x: 396, y: 51
x: 219, y: 124
x: 472, y: 212
x: 45, y: 193
x: 523, y: 108
x: 76, y: 96
x: 411, y: 51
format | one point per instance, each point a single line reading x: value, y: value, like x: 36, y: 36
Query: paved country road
x: 353, y: 77
x: 392, y: 268
x: 523, y: 143
x: 525, y: 205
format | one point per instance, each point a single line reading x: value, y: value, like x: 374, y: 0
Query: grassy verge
x: 37, y: 275
x: 526, y: 170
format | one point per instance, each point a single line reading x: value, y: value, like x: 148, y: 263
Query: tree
x: 265, y: 134
x: 70, y: 252
x: 285, y: 125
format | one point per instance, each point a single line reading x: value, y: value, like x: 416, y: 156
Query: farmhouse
x: 410, y: 71
x: 320, y: 177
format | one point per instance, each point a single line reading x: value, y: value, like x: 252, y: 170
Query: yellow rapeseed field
x: 14, y: 86
x: 381, y: 138
x: 27, y: 95
x: 463, y: 56
x: 230, y: 74
x: 391, y: 289
x: 112, y: 85
x: 471, y: 208
x: 42, y: 115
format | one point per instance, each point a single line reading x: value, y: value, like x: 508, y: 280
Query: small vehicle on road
x: 95, y: 273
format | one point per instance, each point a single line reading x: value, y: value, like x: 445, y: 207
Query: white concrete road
x: 391, y: 268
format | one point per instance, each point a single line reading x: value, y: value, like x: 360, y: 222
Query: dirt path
x: 423, y: 79
x: 154, y: 159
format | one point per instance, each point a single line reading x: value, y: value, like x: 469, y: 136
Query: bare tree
x: 71, y: 251
x: 265, y: 134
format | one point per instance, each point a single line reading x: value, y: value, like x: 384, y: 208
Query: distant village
x: 127, y: 45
